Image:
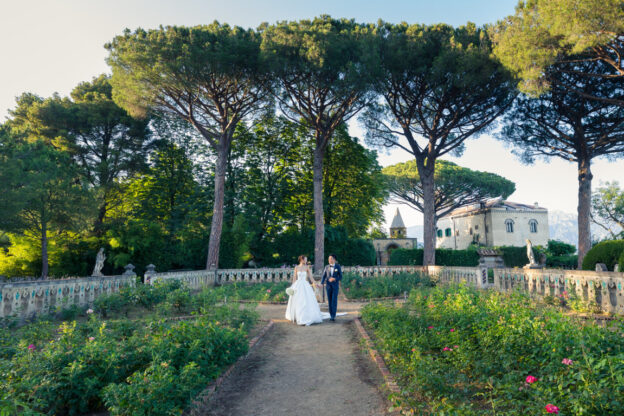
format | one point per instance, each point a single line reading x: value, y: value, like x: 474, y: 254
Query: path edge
x: 202, y: 400
x: 390, y: 383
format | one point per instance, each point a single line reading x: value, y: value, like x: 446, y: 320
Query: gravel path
x: 316, y: 370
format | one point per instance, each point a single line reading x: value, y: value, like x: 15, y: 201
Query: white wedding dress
x: 303, y: 307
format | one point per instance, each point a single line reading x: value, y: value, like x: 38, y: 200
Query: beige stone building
x: 493, y: 222
x: 398, y: 239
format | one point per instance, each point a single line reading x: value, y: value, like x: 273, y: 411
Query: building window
x: 470, y: 230
x: 439, y: 233
x: 533, y: 226
x: 447, y: 232
x: 486, y: 228
x: 509, y: 226
x: 457, y: 233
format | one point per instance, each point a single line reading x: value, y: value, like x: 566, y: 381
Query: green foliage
x: 444, y: 257
x: 459, y: 350
x: 455, y: 186
x: 545, y: 33
x: 514, y: 256
x: 559, y: 248
x: 358, y: 287
x: 607, y: 252
x: 82, y: 367
x: 608, y: 209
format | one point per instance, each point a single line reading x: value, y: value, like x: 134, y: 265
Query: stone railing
x: 604, y: 288
x: 201, y: 278
x: 474, y: 276
x: 28, y: 298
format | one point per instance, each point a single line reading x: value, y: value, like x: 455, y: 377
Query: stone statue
x: 99, y: 263
x: 530, y: 254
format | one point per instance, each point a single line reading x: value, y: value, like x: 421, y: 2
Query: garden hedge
x: 607, y: 252
x: 444, y: 257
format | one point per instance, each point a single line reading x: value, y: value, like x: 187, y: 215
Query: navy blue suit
x: 332, y: 287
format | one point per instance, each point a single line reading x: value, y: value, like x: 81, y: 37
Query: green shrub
x: 607, y: 252
x: 559, y: 248
x: 621, y: 262
x: 514, y: 256
x: 358, y: 287
x: 107, y: 304
x: 444, y: 257
x: 562, y: 262
x: 456, y: 350
x: 77, y: 368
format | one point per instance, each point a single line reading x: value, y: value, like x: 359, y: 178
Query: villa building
x: 493, y: 222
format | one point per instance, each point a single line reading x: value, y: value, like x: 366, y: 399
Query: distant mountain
x: 563, y: 226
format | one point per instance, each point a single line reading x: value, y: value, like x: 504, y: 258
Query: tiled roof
x: 397, y: 221
x: 495, y: 203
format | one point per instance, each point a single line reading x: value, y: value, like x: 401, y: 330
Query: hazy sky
x: 50, y: 46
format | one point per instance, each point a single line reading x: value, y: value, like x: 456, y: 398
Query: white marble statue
x: 99, y: 263
x: 530, y: 254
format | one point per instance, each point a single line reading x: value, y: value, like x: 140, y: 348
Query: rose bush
x: 504, y: 356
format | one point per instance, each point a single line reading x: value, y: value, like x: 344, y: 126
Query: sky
x: 49, y: 46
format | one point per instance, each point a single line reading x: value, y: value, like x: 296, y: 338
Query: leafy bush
x: 81, y: 367
x: 458, y: 350
x: 109, y: 303
x: 261, y: 292
x: 444, y: 257
x: 358, y: 287
x: 607, y: 252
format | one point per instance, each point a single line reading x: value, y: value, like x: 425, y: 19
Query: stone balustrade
x: 604, y: 288
x: 28, y: 298
x: 202, y: 278
x: 474, y: 276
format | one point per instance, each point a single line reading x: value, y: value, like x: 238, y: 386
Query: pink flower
x: 429, y: 327
x: 91, y: 338
x: 268, y: 290
x: 413, y: 349
x: 531, y: 379
x: 89, y: 311
x: 446, y: 349
x: 452, y: 329
x: 455, y: 346
x: 551, y: 408
x: 31, y: 347
x: 566, y: 361
x: 431, y: 305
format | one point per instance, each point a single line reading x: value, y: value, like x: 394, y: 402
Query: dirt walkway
x: 316, y: 370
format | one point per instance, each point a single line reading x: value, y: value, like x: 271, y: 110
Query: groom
x: 331, y: 278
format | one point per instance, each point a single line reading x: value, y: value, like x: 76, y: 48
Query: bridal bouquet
x: 290, y: 291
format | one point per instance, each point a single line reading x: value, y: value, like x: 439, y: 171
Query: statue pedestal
x: 533, y: 266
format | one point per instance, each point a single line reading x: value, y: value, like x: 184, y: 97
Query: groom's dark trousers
x: 332, y: 288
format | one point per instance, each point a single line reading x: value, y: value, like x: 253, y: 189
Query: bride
x: 302, y: 305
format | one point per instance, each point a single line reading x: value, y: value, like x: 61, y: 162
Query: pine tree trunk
x: 426, y: 178
x: 319, y: 225
x: 584, y: 208
x: 44, y: 250
x: 212, y: 261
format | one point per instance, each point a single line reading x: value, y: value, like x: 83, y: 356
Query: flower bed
x: 260, y: 292
x: 457, y: 350
x: 358, y: 287
x: 152, y: 365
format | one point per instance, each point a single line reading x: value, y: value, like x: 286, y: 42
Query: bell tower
x: 397, y: 228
